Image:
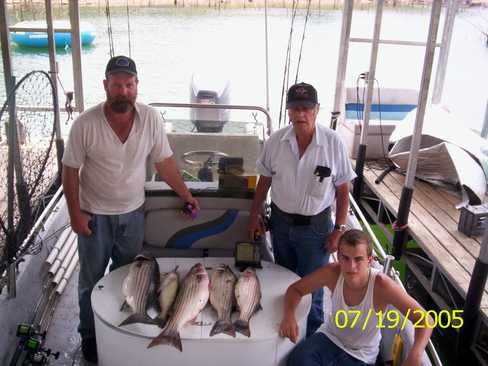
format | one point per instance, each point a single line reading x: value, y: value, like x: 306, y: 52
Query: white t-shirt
x: 112, y: 173
x: 294, y: 186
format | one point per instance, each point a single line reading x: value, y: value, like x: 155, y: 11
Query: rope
x: 307, y: 16
x: 109, y: 28
x: 128, y: 27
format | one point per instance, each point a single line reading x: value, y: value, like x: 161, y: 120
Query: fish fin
x: 242, y: 327
x: 258, y: 307
x: 138, y: 318
x: 160, y: 322
x: 223, y: 326
x: 172, y: 338
x: 124, y: 306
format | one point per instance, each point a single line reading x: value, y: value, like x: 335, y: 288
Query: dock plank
x: 438, y: 209
x: 458, y: 275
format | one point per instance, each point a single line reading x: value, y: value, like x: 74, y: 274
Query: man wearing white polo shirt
x: 307, y: 168
x: 104, y: 169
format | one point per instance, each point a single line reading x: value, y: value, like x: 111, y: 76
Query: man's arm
x: 391, y: 293
x: 259, y: 197
x: 168, y: 171
x: 342, y: 206
x: 325, y: 276
x: 71, y: 188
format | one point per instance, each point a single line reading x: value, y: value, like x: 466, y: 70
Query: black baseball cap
x: 120, y: 64
x: 301, y: 95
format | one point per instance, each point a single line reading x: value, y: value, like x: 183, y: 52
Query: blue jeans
x: 319, y: 350
x: 116, y: 237
x: 300, y: 248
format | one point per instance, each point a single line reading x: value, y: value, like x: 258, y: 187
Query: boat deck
x: 446, y: 258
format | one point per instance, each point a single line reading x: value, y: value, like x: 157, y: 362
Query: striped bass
x: 248, y: 296
x: 191, y: 299
x: 222, y: 298
x: 139, y: 289
x: 167, y: 293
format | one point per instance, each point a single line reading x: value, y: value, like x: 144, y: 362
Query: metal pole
x: 451, y: 11
x: 54, y: 76
x: 9, y: 86
x: 342, y: 61
x: 266, y: 51
x: 400, y: 235
x: 74, y: 16
x: 484, y: 130
x: 476, y: 288
x: 363, y: 143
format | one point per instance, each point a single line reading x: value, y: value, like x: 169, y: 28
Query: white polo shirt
x: 294, y: 186
x: 112, y: 173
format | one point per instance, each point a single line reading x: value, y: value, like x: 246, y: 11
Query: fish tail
x: 167, y: 337
x: 242, y: 327
x: 223, y: 326
x: 138, y: 318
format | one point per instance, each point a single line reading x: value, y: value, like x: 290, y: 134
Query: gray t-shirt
x: 112, y: 173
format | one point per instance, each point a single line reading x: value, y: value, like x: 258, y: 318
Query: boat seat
x: 220, y: 223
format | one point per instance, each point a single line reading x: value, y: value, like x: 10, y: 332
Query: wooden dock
x: 445, y: 262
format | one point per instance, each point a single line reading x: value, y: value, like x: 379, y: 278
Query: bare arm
x: 325, y: 276
x: 168, y: 171
x: 262, y: 189
x: 342, y: 206
x: 71, y: 188
x: 391, y: 293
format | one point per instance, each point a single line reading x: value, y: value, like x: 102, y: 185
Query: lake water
x: 170, y: 45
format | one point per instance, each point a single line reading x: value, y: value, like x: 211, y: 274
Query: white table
x: 127, y: 345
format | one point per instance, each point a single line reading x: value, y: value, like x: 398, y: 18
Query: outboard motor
x: 209, y: 92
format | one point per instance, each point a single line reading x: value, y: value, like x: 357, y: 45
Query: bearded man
x: 104, y: 167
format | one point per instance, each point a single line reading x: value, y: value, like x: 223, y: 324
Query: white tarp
x: 448, y: 152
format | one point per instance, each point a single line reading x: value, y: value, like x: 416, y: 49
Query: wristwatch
x: 342, y: 228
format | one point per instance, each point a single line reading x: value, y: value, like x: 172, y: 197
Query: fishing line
x: 307, y: 16
x: 287, y: 63
x: 128, y: 27
x: 109, y: 28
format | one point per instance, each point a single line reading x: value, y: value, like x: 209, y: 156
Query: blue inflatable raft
x: 39, y: 39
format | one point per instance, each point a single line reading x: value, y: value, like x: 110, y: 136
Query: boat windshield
x: 215, y: 147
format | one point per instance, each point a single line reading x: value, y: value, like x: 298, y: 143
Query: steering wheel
x: 212, y: 157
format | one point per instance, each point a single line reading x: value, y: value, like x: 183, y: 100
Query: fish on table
x: 167, y: 291
x: 190, y: 300
x: 139, y: 289
x: 222, y: 299
x: 248, y: 297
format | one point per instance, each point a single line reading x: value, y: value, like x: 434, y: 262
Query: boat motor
x: 209, y: 92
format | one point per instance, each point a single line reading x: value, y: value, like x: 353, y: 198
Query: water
x: 169, y: 45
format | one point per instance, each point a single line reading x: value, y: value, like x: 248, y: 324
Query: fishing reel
x: 29, y: 349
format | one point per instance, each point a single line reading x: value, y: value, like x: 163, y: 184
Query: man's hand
x: 255, y: 225
x: 332, y: 241
x: 79, y: 224
x: 289, y: 328
x: 194, y: 202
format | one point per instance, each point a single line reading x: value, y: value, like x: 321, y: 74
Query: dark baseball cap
x: 301, y: 95
x: 120, y: 64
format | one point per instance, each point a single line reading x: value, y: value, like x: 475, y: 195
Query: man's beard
x: 120, y: 104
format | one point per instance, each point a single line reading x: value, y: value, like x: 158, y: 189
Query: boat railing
x: 269, y: 123
x: 384, y: 258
